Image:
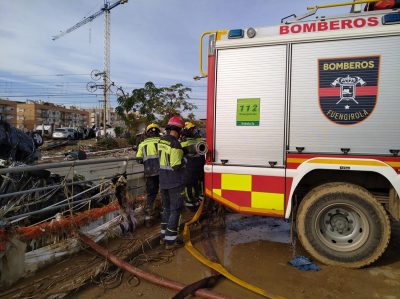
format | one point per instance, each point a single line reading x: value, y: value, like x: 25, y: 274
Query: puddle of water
x: 245, y: 229
x: 248, y: 233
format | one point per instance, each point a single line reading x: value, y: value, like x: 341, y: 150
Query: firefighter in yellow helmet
x: 148, y: 151
x: 194, y: 171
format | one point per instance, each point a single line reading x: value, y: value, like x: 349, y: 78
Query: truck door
x: 250, y: 106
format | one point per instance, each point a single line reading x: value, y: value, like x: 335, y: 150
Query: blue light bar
x: 391, y: 18
x: 236, y: 33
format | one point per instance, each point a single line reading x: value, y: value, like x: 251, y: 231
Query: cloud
x: 151, y: 40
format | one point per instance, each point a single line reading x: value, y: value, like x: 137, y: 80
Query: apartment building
x: 28, y: 115
x: 34, y: 113
x: 96, y: 117
x: 8, y: 111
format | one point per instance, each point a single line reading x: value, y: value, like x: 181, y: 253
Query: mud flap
x: 394, y: 204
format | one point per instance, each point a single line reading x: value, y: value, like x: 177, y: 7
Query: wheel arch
x: 380, y: 173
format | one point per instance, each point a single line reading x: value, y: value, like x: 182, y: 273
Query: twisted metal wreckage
x: 46, y: 216
x: 39, y: 210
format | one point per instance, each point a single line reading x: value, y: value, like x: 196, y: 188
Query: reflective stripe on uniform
x: 170, y: 231
x: 144, y: 151
x: 150, y: 157
x: 166, y: 167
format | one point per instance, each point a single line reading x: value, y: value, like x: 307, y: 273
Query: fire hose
x: 153, y: 278
x: 199, y: 148
x: 217, y: 266
x: 209, y: 281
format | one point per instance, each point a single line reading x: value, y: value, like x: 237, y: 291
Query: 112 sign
x: 248, y: 112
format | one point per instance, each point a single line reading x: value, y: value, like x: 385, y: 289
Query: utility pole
x: 106, y: 77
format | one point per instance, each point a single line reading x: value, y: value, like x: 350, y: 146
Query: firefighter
x: 194, y: 172
x: 148, y: 151
x: 171, y: 182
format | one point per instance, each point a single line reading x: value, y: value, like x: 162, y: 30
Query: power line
x: 72, y: 95
x: 51, y: 75
x: 85, y: 82
x: 50, y: 95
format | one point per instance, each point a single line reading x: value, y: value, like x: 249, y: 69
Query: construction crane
x: 106, y: 73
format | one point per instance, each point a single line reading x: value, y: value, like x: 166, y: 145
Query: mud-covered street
x: 257, y: 250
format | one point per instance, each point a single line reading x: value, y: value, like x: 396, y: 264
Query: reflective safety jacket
x: 171, y: 162
x: 195, y: 162
x: 148, y: 151
x: 190, y: 142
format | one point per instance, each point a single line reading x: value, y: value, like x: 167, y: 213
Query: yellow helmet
x: 189, y: 125
x: 152, y: 127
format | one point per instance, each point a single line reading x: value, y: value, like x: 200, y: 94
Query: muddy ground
x: 257, y: 250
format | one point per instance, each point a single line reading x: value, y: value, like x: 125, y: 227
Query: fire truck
x: 303, y: 123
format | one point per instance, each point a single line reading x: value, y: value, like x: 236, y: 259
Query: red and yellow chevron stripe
x: 246, y: 193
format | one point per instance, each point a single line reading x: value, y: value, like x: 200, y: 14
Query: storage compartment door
x: 250, y: 103
x: 345, y: 94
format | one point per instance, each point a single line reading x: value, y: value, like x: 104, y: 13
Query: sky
x: 151, y: 40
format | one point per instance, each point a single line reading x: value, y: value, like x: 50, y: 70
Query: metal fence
x: 101, y: 171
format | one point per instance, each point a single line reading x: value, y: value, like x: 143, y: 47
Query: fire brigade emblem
x: 348, y: 88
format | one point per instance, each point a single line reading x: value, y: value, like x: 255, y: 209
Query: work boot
x: 190, y: 206
x: 178, y: 243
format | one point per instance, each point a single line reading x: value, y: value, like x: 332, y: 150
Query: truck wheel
x: 342, y: 224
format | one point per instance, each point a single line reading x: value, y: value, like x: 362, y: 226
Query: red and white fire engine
x: 303, y: 122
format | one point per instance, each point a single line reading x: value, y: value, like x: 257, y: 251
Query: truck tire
x: 343, y: 224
